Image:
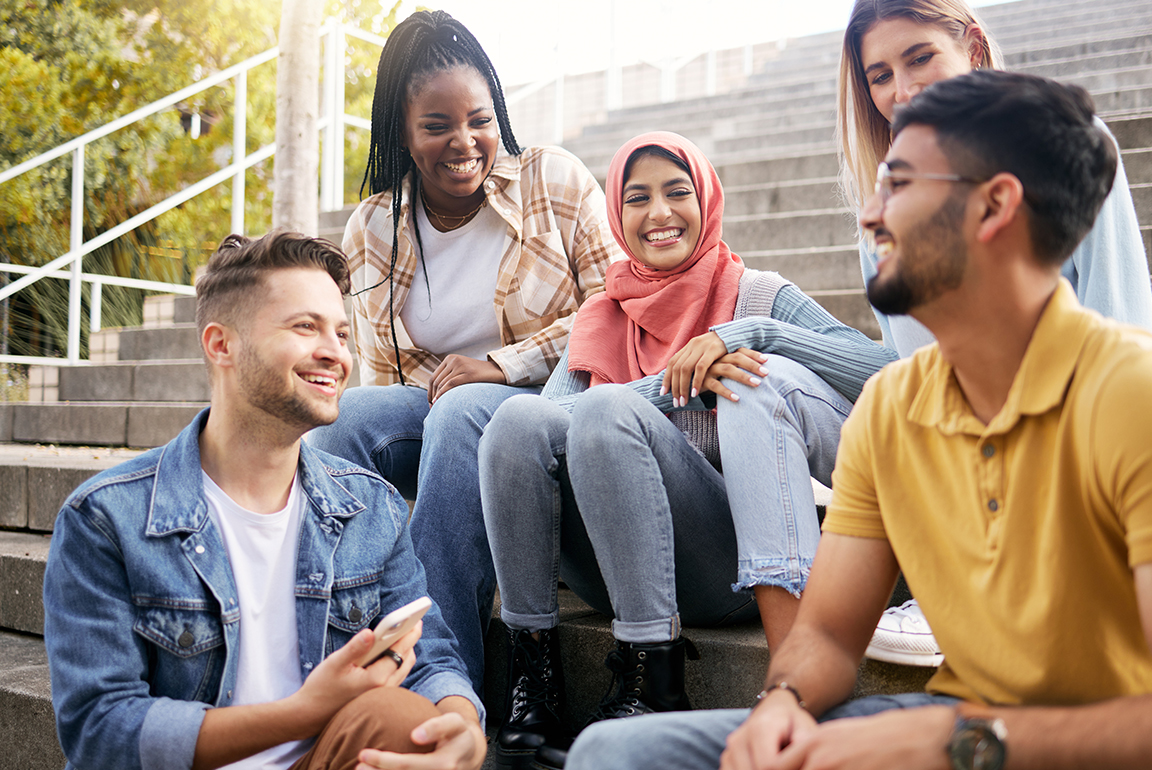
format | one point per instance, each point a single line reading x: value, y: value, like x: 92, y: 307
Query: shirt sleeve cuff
x: 509, y: 361
x: 439, y: 686
x: 168, y: 736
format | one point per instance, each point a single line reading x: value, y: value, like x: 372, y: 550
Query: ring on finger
x: 395, y: 656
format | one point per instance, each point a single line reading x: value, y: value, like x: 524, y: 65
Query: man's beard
x: 265, y: 390
x: 932, y: 261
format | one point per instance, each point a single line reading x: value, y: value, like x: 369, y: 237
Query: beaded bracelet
x: 781, y: 686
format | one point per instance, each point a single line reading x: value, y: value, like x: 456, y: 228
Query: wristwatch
x: 978, y: 744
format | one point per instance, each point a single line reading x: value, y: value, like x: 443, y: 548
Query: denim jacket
x: 141, y: 621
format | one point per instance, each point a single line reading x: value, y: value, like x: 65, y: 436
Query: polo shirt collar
x: 1039, y: 385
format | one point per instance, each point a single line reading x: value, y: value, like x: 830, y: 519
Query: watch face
x: 975, y: 745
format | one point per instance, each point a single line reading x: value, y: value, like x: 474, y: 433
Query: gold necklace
x: 441, y: 217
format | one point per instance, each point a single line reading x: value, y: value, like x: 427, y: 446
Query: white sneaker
x: 904, y: 636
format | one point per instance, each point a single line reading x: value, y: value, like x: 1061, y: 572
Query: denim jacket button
x: 355, y: 615
x: 199, y: 549
x: 186, y: 640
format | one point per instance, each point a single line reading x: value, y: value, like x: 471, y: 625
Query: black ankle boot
x: 532, y: 708
x: 646, y: 678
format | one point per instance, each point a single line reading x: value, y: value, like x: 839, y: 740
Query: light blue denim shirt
x: 140, y: 612
x: 1108, y: 270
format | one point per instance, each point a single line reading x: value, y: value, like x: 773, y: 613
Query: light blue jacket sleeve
x: 564, y: 387
x: 1109, y: 269
x: 802, y: 330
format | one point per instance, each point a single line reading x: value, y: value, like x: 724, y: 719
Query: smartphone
x: 394, y: 625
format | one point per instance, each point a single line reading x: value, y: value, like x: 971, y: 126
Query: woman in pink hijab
x: 665, y: 470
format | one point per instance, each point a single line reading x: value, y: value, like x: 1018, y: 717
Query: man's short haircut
x: 1038, y: 130
x: 229, y: 289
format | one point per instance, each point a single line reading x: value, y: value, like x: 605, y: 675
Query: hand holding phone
x: 394, y: 625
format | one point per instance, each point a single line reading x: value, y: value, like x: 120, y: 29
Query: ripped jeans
x: 778, y: 437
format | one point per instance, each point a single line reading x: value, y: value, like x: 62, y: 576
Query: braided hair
x: 426, y: 43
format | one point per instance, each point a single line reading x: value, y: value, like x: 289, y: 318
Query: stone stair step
x: 776, y: 197
x: 163, y: 310
x: 176, y: 341
x: 113, y: 424
x: 184, y: 380
x: 812, y: 269
x: 36, y: 480
x: 22, y: 560
x: 729, y: 674
x: 27, y: 724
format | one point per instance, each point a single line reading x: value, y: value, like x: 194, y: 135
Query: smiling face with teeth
x: 919, y: 230
x: 450, y: 131
x: 660, y: 214
x: 294, y: 359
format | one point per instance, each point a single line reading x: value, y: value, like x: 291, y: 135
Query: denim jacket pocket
x: 188, y: 649
x: 355, y: 605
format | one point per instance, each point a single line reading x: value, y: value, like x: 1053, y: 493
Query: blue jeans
x: 614, y: 500
x: 773, y: 441
x: 694, y: 740
x: 429, y: 455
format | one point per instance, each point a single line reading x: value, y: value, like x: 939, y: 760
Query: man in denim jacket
x: 170, y: 640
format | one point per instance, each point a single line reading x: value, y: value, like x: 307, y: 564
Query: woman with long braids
x: 469, y: 260
x: 892, y: 50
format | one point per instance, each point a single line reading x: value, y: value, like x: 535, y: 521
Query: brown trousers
x: 382, y: 718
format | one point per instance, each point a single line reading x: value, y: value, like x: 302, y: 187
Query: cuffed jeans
x: 429, y: 455
x: 773, y: 441
x: 694, y: 740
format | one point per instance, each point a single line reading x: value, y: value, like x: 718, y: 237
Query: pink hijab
x: 646, y: 315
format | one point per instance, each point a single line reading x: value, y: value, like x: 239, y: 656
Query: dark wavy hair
x: 1040, y: 131
x: 425, y: 43
x: 228, y: 290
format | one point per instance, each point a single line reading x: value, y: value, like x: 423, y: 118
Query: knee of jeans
x: 604, y: 409
x: 355, y: 404
x: 523, y: 421
x: 601, y: 745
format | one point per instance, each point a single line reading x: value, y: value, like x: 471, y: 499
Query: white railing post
x: 239, y: 149
x: 332, y: 163
x: 76, y: 241
x: 339, y: 46
x: 95, y: 303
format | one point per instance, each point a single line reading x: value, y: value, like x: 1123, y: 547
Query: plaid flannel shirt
x: 556, y: 251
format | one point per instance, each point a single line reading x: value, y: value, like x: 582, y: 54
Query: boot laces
x: 532, y: 686
x: 623, y: 691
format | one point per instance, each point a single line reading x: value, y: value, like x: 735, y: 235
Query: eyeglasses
x: 885, y: 177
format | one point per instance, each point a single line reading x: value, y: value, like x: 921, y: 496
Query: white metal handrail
x: 332, y: 183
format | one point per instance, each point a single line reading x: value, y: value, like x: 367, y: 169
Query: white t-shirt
x: 262, y: 551
x: 463, y: 265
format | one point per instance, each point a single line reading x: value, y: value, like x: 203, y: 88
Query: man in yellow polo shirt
x: 1007, y: 470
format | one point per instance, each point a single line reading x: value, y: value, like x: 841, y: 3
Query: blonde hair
x: 862, y: 133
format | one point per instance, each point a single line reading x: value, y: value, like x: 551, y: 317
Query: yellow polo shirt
x: 1017, y: 537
